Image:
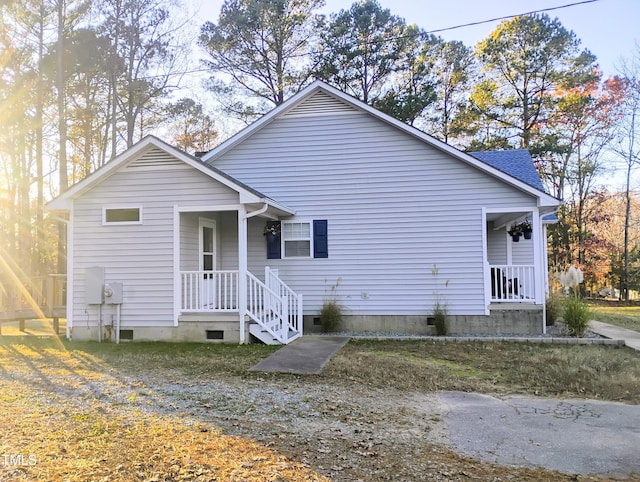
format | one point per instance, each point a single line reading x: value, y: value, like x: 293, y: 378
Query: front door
x: 207, y: 243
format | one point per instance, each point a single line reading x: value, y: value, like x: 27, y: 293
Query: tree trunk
x: 62, y: 128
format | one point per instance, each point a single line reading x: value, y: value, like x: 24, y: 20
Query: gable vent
x: 320, y: 103
x: 156, y: 158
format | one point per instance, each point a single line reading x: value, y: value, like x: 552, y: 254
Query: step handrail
x: 294, y: 300
x: 267, y: 308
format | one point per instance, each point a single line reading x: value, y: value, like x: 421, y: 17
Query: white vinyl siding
x: 395, y: 206
x: 522, y: 251
x: 141, y: 255
x: 497, y: 245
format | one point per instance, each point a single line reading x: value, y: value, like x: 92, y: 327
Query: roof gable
x: 299, y: 105
x: 145, y: 153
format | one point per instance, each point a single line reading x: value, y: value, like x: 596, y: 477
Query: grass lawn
x: 624, y: 316
x: 597, y: 372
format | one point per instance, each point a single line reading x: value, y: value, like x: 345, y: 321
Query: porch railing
x: 266, y: 308
x: 512, y: 283
x: 39, y: 297
x: 215, y: 291
x: 271, y: 304
x: 293, y: 299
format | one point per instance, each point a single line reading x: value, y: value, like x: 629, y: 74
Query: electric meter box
x: 113, y: 293
x: 94, y: 284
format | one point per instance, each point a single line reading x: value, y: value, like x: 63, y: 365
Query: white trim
x: 115, y: 207
x: 485, y: 263
x: 70, y: 255
x: 177, y: 292
x: 242, y: 270
x: 283, y: 240
x: 217, y: 208
x: 208, y: 223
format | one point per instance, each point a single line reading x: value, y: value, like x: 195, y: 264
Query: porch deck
x: 273, y: 309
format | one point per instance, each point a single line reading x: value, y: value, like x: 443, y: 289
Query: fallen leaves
x: 89, y: 438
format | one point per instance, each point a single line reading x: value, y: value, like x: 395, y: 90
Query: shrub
x: 440, y: 318
x: 330, y: 317
x: 440, y: 306
x: 576, y: 315
x: 553, y: 308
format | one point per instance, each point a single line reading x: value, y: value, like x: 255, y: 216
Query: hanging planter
x: 272, y: 228
x: 515, y: 232
x: 521, y: 229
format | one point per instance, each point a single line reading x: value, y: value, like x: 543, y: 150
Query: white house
x: 324, y: 198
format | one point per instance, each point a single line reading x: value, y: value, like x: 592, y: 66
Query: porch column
x: 539, y: 263
x: 242, y: 269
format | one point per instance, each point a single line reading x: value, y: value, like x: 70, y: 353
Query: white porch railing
x: 293, y: 299
x: 214, y: 291
x: 266, y: 308
x: 273, y: 305
x: 512, y: 283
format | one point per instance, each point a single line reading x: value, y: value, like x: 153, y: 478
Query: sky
x: 608, y: 28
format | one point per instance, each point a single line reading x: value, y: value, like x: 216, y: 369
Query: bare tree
x: 628, y: 149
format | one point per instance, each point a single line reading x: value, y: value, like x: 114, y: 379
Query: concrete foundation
x: 515, y: 319
x: 219, y: 328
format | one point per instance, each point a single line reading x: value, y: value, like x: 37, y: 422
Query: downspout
x: 243, y: 216
x: 70, y: 261
x: 539, y: 253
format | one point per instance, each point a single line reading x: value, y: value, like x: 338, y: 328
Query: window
x: 128, y: 215
x: 296, y: 238
x: 287, y: 239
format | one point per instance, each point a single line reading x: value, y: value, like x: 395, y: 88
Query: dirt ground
x: 344, y: 433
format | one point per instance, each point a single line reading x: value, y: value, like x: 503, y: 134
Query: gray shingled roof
x: 517, y: 163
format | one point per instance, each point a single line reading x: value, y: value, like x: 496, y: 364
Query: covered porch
x: 516, y: 257
x: 212, y: 281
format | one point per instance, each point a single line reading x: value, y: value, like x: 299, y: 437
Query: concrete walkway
x: 306, y: 356
x: 631, y: 338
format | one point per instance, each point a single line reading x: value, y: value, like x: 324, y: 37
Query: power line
x: 512, y: 16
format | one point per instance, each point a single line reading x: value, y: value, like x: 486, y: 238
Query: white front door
x: 207, y: 263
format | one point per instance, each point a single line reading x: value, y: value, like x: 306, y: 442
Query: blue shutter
x: 320, y: 242
x: 273, y: 240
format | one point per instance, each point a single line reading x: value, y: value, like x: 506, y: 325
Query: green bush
x: 330, y: 317
x: 553, y: 307
x: 576, y: 315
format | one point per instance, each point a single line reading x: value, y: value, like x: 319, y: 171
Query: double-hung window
x: 296, y: 239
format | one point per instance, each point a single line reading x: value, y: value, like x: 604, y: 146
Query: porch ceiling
x: 500, y: 220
